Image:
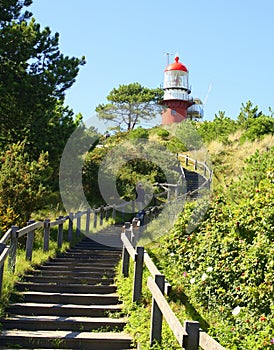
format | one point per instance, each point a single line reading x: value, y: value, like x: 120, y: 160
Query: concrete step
x: 63, y: 298
x: 59, y: 309
x: 66, y: 339
x: 69, y: 280
x: 76, y: 323
x: 68, y: 288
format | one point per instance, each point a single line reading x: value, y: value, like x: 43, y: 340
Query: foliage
x: 188, y: 135
x: 130, y: 104
x: 139, y: 314
x: 34, y: 77
x: 163, y: 133
x: 22, y: 184
x: 226, y: 266
x: 175, y: 145
x: 252, y: 123
x: 258, y: 127
x: 247, y: 114
x: 218, y: 129
x: 139, y: 133
x: 131, y: 159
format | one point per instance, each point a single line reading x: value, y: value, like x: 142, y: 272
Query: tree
x: 34, y: 77
x: 247, y: 114
x: 129, y: 104
x: 22, y: 184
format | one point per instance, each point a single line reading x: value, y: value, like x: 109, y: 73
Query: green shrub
x: 139, y: 133
x: 163, y: 133
x: 258, y: 127
x: 22, y: 185
x: 226, y: 266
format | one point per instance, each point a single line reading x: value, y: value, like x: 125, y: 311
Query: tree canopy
x: 34, y: 122
x: 34, y: 77
x: 130, y: 104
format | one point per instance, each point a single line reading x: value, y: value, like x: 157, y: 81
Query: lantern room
x: 176, y: 76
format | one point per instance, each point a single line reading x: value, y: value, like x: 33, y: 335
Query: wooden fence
x: 189, y: 335
x: 9, y: 241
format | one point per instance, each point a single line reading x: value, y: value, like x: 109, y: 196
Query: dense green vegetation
x: 225, y: 267
x: 222, y: 272
x: 35, y: 123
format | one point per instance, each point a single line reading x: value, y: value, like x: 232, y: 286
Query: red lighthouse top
x: 176, y: 66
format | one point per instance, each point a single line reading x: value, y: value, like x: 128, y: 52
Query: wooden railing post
x: 94, y: 218
x: 13, y: 248
x: 29, y: 243
x: 3, y: 253
x: 193, y: 330
x: 156, y: 314
x: 204, y: 168
x: 125, y: 254
x: 70, y: 227
x: 125, y: 262
x: 101, y: 215
x: 46, y: 234
x: 195, y: 164
x: 138, y: 274
x: 113, y: 212
x: 88, y: 220
x: 78, y: 223
x: 186, y: 160
x: 60, y: 234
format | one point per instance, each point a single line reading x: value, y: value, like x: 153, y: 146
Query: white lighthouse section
x: 175, y: 94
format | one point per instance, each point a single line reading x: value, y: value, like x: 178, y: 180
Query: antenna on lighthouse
x: 208, y: 92
x: 167, y: 56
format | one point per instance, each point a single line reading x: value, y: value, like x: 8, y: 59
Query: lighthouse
x: 179, y: 104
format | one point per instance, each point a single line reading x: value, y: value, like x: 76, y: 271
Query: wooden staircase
x: 70, y: 302
x: 194, y: 181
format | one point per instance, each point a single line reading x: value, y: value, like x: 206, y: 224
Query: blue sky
x: 228, y: 47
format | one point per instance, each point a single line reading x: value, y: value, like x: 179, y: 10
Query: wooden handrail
x: 6, y: 237
x: 128, y: 246
x: 13, y: 234
x: 173, y: 322
x: 21, y: 232
x: 207, y: 342
x: 188, y: 340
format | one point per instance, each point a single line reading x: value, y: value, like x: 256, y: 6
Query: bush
x: 226, y: 266
x: 163, y: 133
x: 258, y: 127
x: 139, y: 133
x: 217, y: 129
x: 22, y: 185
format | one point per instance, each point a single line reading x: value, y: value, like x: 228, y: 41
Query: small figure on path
x: 140, y: 199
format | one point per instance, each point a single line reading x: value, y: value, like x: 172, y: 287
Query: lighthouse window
x: 173, y: 112
x: 176, y: 79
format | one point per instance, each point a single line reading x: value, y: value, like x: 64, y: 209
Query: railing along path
x: 189, y: 335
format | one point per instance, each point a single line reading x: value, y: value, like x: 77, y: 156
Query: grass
x: 229, y: 159
x: 139, y: 314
